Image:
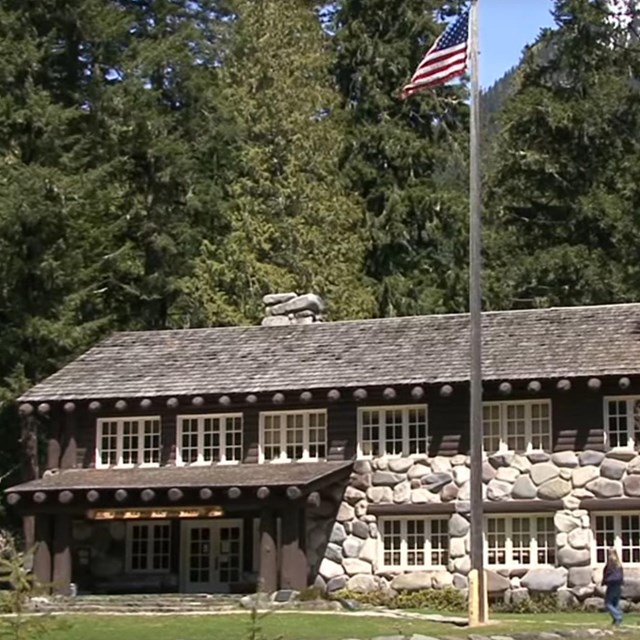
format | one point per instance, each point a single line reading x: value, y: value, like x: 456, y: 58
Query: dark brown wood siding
x: 577, y: 417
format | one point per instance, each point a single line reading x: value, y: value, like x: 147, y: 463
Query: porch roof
x: 221, y: 476
x: 540, y: 343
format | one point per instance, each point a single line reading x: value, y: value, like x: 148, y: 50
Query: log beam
x: 121, y: 495
x: 268, y: 564
x: 534, y: 386
x: 263, y: 493
x: 294, y: 493
x: 65, y: 497
x: 147, y: 495
x: 175, y: 494
x: 93, y: 496
x: 62, y: 555
x: 42, y: 555
x: 206, y: 493
x: 234, y: 493
x: 314, y: 499
x: 417, y: 393
x: 293, y: 565
x: 446, y: 390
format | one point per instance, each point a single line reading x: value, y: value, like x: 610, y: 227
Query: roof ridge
x: 461, y: 314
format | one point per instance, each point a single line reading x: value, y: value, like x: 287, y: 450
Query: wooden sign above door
x: 155, y: 514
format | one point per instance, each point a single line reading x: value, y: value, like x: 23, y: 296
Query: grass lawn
x: 287, y: 626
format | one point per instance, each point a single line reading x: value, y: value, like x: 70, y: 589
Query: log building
x: 335, y: 454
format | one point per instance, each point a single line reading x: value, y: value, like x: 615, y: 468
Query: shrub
x: 448, y: 599
x: 535, y: 603
x: 312, y: 593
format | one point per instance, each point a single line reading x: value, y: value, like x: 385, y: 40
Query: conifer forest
x: 166, y: 163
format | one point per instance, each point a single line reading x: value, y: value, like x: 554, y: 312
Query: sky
x: 506, y: 26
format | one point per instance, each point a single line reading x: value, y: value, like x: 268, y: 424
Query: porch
x: 177, y: 530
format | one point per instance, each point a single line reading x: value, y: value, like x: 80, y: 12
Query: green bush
x: 448, y: 599
x: 312, y: 593
x: 535, y: 603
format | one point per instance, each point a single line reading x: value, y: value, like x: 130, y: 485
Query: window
x: 617, y: 531
x: 148, y: 547
x: 392, y: 431
x: 516, y: 426
x: 293, y: 435
x: 520, y: 540
x: 127, y: 442
x: 622, y: 421
x: 414, y: 543
x: 210, y: 438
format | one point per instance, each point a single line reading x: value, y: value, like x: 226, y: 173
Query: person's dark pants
x: 612, y: 602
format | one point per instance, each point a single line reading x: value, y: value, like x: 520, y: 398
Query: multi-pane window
x: 516, y: 426
x: 414, y: 543
x: 617, y: 531
x: 293, y: 435
x: 127, y: 442
x: 392, y: 431
x: 149, y: 546
x: 209, y: 438
x: 622, y: 421
x: 520, y: 540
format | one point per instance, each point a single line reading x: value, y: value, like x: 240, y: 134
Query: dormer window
x: 128, y: 442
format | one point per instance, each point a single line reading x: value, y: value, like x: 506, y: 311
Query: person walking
x: 612, y: 579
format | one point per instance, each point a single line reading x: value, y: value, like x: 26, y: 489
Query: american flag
x: 446, y: 59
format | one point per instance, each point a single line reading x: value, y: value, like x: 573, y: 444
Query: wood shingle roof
x: 544, y: 343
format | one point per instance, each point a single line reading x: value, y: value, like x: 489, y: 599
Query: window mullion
x: 119, y: 443
x: 404, y: 544
x: 222, y: 438
x: 383, y: 431
x: 630, y: 424
x: 140, y: 452
x: 305, y: 436
x: 502, y: 415
x: 405, y: 433
x: 427, y: 546
x: 508, y: 543
x: 533, y: 541
x: 528, y: 431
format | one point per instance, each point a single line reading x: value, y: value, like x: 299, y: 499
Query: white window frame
x: 405, y: 431
x: 149, y: 524
x: 404, y: 549
x: 503, y: 405
x: 223, y: 417
x: 629, y: 400
x: 282, y: 458
x: 617, y: 529
x: 141, y: 420
x: 533, y: 544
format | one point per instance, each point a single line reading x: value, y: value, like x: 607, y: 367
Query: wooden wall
x: 577, y: 418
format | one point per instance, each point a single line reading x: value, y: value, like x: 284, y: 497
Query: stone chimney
x: 290, y: 308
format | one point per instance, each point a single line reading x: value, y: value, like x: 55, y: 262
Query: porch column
x: 268, y: 552
x: 42, y: 556
x: 68, y: 458
x: 61, y: 555
x: 293, y: 563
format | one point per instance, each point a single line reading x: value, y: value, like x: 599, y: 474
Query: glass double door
x: 211, y: 555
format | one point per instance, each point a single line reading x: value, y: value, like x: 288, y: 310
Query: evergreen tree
x: 407, y: 160
x: 563, y: 195
x: 292, y: 224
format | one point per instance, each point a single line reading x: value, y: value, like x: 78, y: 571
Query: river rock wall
x: 348, y: 557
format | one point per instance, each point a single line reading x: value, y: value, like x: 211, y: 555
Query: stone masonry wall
x: 351, y: 550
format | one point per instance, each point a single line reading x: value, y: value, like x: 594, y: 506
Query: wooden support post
x: 29, y: 441
x: 293, y: 562
x: 268, y: 552
x: 42, y: 556
x: 69, y: 454
x: 53, y: 445
x: 61, y: 555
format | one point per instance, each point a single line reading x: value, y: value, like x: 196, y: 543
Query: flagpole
x: 480, y: 614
